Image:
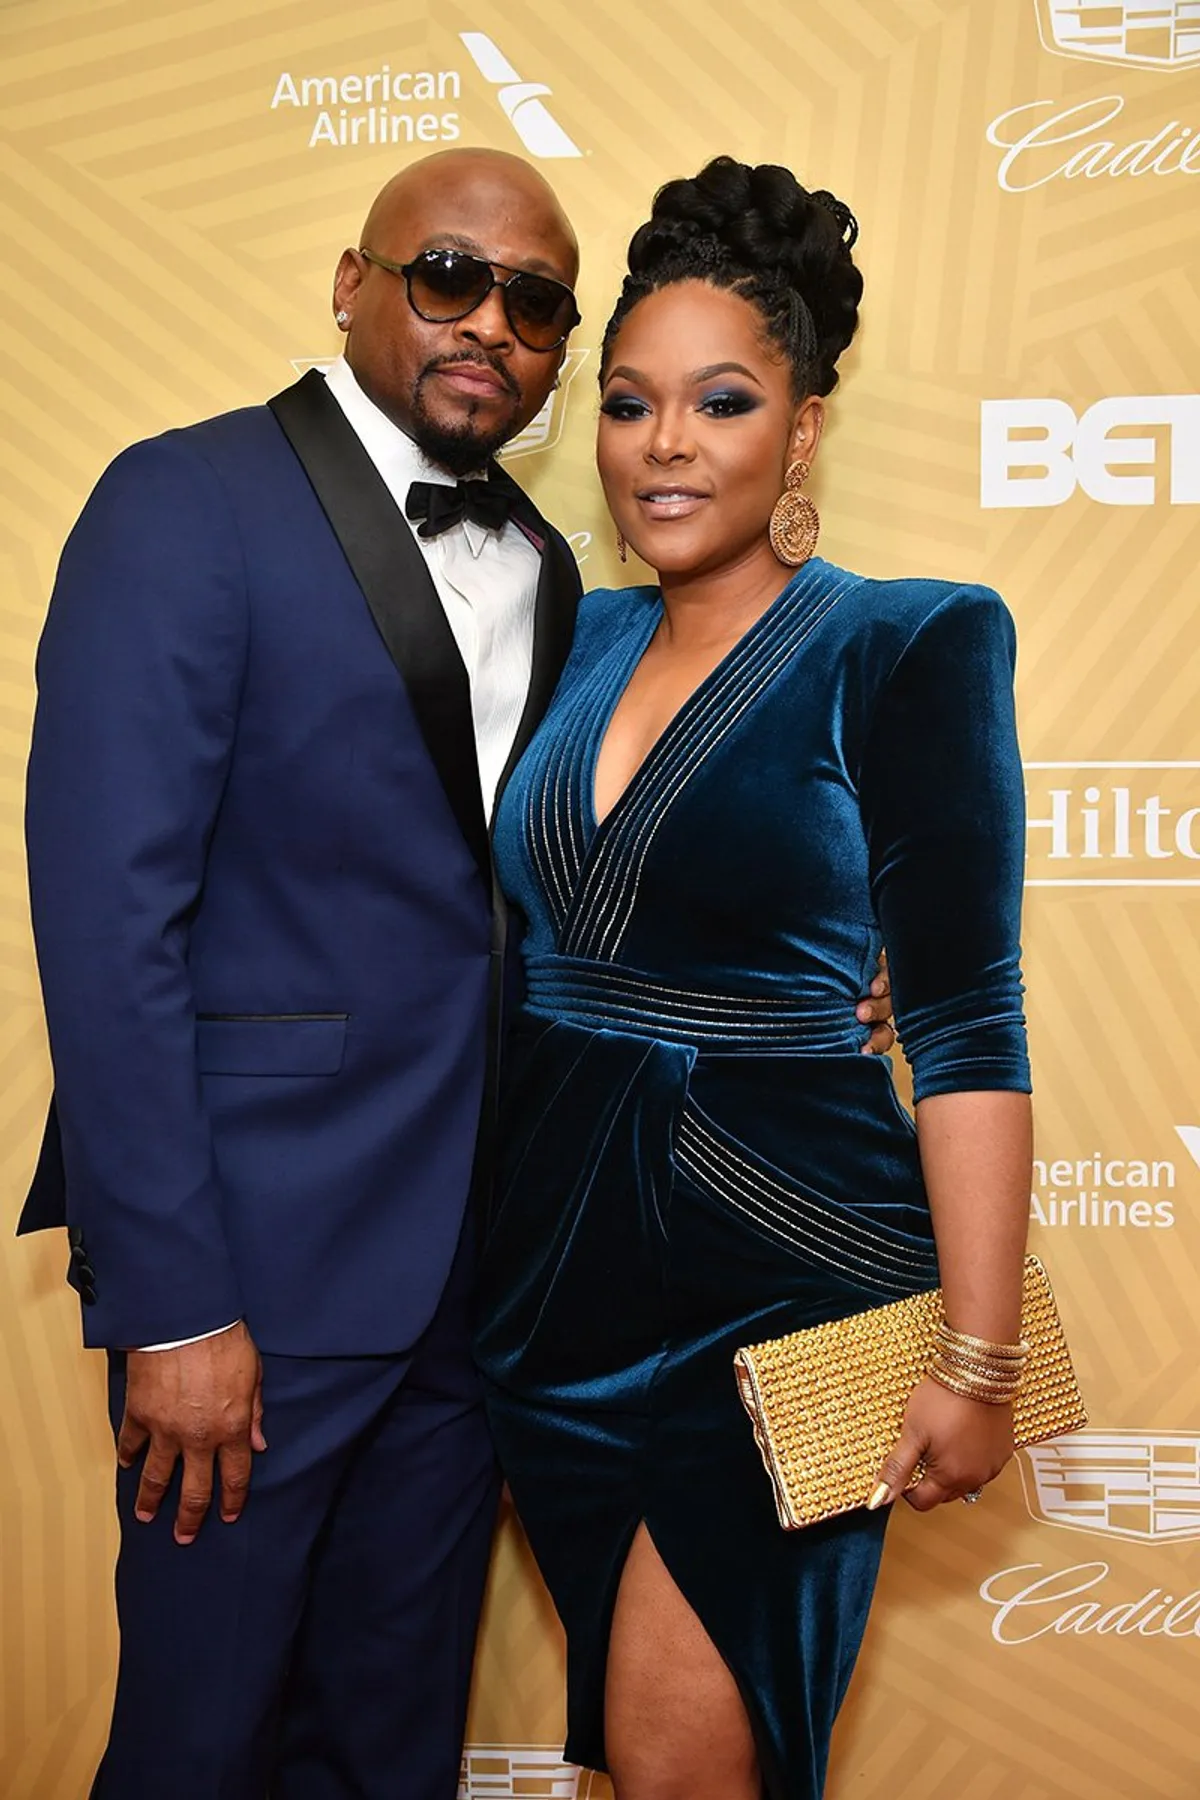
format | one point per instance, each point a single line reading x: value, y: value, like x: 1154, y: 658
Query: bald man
x: 291, y: 656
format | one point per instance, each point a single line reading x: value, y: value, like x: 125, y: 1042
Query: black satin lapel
x: 398, y: 588
x: 559, y: 588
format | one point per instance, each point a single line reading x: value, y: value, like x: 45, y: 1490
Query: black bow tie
x: 440, y: 507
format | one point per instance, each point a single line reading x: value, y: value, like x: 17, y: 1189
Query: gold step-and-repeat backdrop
x: 177, y: 180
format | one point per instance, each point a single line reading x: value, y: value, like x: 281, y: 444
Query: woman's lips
x: 671, y: 503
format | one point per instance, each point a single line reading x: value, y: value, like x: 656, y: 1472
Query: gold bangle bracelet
x: 978, y: 1357
x: 963, y: 1340
x: 977, y: 1366
x: 990, y: 1396
x: 981, y: 1376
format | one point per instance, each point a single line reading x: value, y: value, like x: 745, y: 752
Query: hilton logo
x: 1140, y: 1485
x: 1146, y: 34
x: 1110, y: 825
x: 520, y: 1772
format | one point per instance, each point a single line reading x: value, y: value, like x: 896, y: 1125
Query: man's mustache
x: 474, y: 360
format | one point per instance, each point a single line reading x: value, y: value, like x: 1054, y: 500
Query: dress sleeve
x: 943, y: 807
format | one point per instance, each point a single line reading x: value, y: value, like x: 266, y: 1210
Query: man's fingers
x: 895, y: 1472
x: 235, y: 1461
x: 157, y: 1471
x: 257, y: 1440
x: 880, y: 1041
x: 131, y: 1441
x: 195, y: 1494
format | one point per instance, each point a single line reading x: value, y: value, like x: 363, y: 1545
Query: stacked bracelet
x: 976, y: 1369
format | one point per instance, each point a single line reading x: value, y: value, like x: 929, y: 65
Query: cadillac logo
x: 1146, y: 34
x: 520, y: 1772
x: 1140, y: 1485
x: 544, y: 431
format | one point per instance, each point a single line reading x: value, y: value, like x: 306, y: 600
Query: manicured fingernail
x: 144, y: 1517
x: 864, y: 1012
x: 185, y: 1540
x: 878, y: 1497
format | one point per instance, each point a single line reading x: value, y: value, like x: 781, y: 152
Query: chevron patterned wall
x: 1020, y: 408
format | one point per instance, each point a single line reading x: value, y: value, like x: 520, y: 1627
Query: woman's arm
x: 976, y: 1154
x: 976, y: 1151
x: 942, y: 799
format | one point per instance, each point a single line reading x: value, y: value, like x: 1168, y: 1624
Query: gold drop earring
x: 622, y: 547
x: 795, y: 522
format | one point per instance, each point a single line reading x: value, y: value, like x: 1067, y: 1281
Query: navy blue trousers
x: 320, y: 1648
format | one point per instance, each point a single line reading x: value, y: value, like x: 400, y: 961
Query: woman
x: 751, y: 774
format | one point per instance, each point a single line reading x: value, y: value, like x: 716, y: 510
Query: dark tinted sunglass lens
x: 541, y: 311
x: 445, y: 284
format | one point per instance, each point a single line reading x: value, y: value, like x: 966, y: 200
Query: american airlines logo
x: 1101, y: 1192
x: 522, y: 102
x: 1141, y: 1485
x: 363, y: 107
x: 388, y: 105
x: 520, y: 1772
x: 1112, y: 824
x: 1189, y: 1136
x: 1145, y: 34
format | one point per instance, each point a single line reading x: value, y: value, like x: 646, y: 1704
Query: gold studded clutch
x: 827, y: 1403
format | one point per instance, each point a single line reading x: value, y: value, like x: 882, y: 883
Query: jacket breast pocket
x: 276, y: 1044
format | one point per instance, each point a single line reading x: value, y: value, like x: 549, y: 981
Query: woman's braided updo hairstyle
x: 756, y: 231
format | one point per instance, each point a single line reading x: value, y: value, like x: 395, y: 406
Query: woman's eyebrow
x: 725, y: 368
x: 625, y: 373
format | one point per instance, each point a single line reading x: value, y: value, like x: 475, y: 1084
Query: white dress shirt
x: 487, y: 583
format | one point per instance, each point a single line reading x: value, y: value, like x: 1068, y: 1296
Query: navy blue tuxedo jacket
x: 262, y: 891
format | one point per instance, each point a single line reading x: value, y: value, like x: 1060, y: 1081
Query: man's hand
x: 200, y: 1402
x: 876, y: 1011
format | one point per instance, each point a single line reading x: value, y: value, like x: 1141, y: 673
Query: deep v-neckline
x: 678, y: 719
x: 594, y: 869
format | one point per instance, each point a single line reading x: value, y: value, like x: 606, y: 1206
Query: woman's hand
x: 963, y: 1444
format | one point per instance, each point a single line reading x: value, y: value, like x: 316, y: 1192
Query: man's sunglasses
x: 444, y: 285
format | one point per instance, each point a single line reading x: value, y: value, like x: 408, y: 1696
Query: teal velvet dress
x: 694, y: 1155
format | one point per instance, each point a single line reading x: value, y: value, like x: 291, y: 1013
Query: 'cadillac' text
x: 1035, y: 139
x: 1030, y: 1604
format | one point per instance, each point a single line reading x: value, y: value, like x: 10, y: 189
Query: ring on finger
x: 974, y: 1495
